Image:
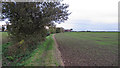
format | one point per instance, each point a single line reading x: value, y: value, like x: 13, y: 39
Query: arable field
x: 88, y: 48
x: 3, y: 37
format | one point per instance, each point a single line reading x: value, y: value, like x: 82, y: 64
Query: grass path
x: 44, y: 55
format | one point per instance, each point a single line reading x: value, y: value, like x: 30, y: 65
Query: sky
x: 3, y: 22
x: 95, y: 15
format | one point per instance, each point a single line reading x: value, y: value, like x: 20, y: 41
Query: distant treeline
x: 95, y: 31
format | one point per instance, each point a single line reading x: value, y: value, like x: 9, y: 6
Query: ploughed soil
x: 77, y: 50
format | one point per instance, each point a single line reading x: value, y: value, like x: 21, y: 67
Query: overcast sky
x: 92, y: 15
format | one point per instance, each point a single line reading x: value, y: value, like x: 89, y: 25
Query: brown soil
x: 106, y: 37
x: 77, y: 52
x: 58, y: 53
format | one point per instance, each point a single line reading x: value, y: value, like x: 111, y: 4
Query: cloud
x: 92, y: 12
x: 81, y: 25
x: 2, y: 23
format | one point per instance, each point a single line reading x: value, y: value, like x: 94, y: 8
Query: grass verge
x: 43, y: 55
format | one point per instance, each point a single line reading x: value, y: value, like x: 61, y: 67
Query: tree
x: 29, y: 19
x: 71, y: 29
x: 52, y: 28
x: 3, y: 28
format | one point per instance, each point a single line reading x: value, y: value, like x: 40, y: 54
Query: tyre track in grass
x: 59, y: 56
